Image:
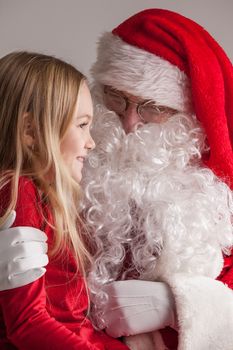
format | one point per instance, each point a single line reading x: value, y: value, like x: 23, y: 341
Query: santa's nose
x: 130, y: 119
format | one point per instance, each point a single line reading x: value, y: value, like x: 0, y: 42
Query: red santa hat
x: 161, y: 55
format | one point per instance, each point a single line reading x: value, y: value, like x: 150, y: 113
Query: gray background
x: 69, y: 29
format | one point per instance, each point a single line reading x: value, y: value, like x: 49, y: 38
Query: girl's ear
x: 28, y: 131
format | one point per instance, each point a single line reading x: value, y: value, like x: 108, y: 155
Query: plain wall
x: 69, y: 29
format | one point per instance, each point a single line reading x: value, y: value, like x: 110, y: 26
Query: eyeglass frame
x: 160, y: 109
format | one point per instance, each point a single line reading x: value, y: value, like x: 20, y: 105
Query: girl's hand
x: 22, y: 254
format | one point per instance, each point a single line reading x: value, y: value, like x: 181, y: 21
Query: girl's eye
x: 82, y: 125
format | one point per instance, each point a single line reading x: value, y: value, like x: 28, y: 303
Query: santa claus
x: 158, y: 185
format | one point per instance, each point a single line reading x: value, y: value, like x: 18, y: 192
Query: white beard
x: 149, y: 193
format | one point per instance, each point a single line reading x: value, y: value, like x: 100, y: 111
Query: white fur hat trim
x: 141, y: 73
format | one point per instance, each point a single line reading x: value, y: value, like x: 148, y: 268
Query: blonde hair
x: 46, y: 89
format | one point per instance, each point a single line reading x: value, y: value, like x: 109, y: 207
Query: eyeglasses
x: 147, y: 110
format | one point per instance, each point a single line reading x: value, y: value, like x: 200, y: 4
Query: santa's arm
x: 204, y: 310
x: 23, y: 254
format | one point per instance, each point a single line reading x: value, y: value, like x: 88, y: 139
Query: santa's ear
x: 28, y: 131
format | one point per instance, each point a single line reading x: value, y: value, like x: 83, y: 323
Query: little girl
x: 45, y: 118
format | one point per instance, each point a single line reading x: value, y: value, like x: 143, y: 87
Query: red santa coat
x: 49, y: 313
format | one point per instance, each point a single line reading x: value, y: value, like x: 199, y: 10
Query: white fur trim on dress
x: 141, y: 73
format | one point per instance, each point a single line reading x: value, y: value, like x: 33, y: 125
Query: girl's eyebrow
x: 85, y: 116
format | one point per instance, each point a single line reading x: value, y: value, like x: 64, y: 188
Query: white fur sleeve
x: 204, y: 311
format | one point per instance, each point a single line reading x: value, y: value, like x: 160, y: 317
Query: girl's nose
x: 91, y: 143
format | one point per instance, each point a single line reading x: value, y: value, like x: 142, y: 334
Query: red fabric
x: 226, y: 276
x: 50, y: 312
x: 187, y: 45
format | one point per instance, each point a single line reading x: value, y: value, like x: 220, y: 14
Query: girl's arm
x: 28, y: 324
x: 27, y: 321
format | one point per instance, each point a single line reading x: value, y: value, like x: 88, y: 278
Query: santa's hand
x: 136, y: 307
x: 22, y: 254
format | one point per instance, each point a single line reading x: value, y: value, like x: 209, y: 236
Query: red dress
x: 49, y: 313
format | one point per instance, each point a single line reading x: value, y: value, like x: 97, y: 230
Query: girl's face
x: 77, y: 140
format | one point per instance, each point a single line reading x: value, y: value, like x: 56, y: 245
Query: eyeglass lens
x: 114, y: 101
x: 148, y: 111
